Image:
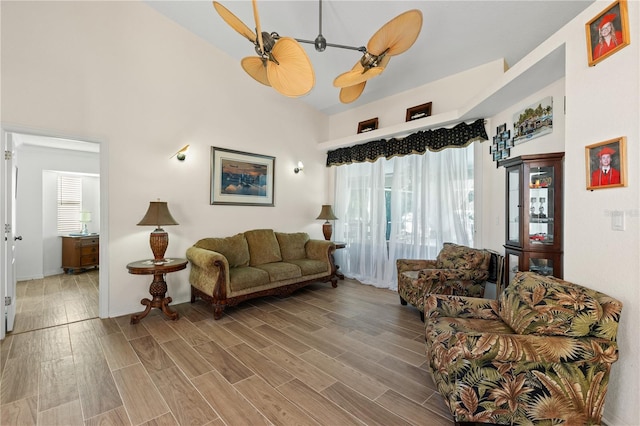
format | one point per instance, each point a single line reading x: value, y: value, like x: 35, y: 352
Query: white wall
x: 144, y: 87
x: 39, y: 252
x: 603, y: 102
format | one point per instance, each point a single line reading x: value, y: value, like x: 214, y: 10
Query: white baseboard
x: 54, y: 272
x: 28, y: 278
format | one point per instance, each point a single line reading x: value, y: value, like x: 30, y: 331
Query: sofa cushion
x: 545, y: 305
x: 263, y: 246
x: 246, y: 278
x: 292, y: 245
x: 454, y: 256
x: 310, y: 266
x: 235, y: 249
x: 279, y: 271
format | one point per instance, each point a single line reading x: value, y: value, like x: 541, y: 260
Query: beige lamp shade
x: 158, y: 215
x: 327, y: 214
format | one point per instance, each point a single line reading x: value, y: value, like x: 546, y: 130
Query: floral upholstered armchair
x: 540, y: 354
x: 458, y: 270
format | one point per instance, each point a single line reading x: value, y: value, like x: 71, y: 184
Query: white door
x: 8, y: 212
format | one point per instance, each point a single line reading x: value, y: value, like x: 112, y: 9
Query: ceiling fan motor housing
x: 268, y: 41
x: 369, y: 60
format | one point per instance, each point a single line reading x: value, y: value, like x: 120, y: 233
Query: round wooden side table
x: 158, y: 287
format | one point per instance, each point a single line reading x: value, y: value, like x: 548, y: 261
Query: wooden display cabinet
x: 80, y: 253
x: 534, y: 189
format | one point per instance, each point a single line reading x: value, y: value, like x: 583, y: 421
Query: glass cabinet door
x: 540, y: 206
x: 541, y: 266
x: 513, y: 266
x: 513, y: 206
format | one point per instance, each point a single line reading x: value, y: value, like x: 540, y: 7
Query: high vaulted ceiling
x: 456, y: 36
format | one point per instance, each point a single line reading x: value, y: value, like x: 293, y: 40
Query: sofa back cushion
x: 454, y: 256
x: 263, y: 246
x: 235, y: 249
x: 292, y: 246
x: 545, y: 305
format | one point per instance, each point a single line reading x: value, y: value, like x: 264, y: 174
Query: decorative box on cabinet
x: 534, y: 214
x: 80, y: 252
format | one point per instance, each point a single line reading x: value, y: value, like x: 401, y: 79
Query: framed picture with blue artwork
x: 241, y: 178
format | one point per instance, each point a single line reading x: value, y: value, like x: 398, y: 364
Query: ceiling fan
x: 393, y: 38
x: 283, y: 63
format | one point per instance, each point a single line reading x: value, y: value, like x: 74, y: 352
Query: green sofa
x: 541, y: 354
x: 260, y: 262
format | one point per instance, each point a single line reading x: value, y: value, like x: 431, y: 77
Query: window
x: 403, y: 207
x: 69, y: 204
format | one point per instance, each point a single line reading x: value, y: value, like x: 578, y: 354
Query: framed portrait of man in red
x: 606, y: 164
x: 608, y: 32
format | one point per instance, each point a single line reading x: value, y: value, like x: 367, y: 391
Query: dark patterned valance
x: 416, y: 143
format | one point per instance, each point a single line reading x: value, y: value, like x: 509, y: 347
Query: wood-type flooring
x: 322, y: 356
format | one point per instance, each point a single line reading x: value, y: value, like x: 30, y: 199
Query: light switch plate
x: 617, y: 220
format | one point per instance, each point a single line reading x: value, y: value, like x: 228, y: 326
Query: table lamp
x: 327, y: 214
x: 157, y: 215
x: 85, y: 217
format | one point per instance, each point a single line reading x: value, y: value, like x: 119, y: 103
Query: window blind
x: 69, y: 204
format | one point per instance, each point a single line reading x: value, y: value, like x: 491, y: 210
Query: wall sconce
x: 182, y: 154
x: 299, y: 168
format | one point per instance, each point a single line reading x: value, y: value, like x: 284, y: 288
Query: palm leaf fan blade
x: 292, y: 75
x: 356, y: 75
x: 234, y: 22
x: 351, y: 93
x: 254, y: 66
x: 258, y: 29
x: 397, y: 35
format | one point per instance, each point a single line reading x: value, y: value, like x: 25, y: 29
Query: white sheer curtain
x: 405, y: 207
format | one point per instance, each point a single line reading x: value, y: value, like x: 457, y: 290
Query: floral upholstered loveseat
x: 260, y: 262
x: 457, y: 270
x: 540, y: 354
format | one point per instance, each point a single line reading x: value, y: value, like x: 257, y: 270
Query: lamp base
x: 85, y: 229
x: 327, y: 230
x: 159, y: 241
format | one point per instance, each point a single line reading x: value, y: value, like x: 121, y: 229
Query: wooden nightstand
x: 80, y: 252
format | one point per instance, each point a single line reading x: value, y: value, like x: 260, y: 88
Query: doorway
x: 37, y: 255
